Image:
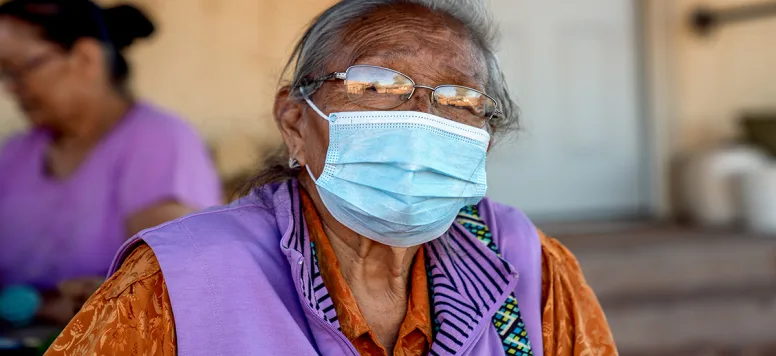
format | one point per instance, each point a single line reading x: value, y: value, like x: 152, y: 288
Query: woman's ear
x: 288, y: 116
x: 88, y: 57
x: 491, y: 131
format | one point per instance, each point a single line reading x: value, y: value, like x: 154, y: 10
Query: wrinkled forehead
x: 430, y: 47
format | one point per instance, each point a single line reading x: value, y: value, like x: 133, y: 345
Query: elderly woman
x: 97, y: 166
x: 374, y: 239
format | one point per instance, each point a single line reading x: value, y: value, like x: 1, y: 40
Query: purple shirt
x: 242, y: 280
x: 53, y: 230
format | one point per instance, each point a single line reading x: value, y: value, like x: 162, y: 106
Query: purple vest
x: 242, y: 280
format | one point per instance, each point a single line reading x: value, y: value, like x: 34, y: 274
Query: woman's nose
x: 421, y: 100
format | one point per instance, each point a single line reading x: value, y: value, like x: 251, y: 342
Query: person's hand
x: 57, y: 309
x: 80, y: 289
x: 59, y: 306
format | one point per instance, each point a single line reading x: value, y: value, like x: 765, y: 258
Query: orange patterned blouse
x: 131, y: 313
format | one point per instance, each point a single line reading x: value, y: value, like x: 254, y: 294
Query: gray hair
x: 320, y: 43
x: 322, y: 40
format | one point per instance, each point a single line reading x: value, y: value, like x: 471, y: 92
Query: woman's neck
x: 70, y: 148
x: 378, y: 275
x: 370, y: 262
x: 379, y: 278
x: 93, y: 122
x: 360, y: 258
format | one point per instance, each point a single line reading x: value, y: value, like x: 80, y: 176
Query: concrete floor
x: 678, y: 290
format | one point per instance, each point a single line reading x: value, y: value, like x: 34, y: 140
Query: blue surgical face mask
x: 400, y: 177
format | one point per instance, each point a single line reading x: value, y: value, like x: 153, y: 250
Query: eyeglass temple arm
x: 326, y: 78
x: 337, y: 76
x: 330, y: 77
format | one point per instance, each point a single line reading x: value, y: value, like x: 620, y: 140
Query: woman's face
x: 429, y: 48
x: 39, y: 75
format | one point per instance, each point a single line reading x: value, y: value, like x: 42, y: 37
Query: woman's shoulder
x: 257, y: 221
x: 242, y: 218
x: 20, y: 148
x: 515, y: 224
x: 570, y: 308
x: 140, y: 265
x: 220, y: 230
x: 511, y: 228
x: 558, y: 260
x: 152, y: 122
x: 557, y: 254
x: 22, y: 141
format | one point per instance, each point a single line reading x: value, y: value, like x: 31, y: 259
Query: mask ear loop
x: 484, y: 159
x: 310, y: 172
x: 486, y: 128
x: 312, y: 105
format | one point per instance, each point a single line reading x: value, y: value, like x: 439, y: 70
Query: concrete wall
x: 217, y: 63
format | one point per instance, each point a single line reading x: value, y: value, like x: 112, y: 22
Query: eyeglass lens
x: 383, y: 88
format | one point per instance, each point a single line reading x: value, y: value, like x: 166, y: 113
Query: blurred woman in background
x: 97, y: 166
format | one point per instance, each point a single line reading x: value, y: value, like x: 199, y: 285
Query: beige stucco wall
x: 217, y: 63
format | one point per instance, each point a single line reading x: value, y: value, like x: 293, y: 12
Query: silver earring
x: 293, y: 163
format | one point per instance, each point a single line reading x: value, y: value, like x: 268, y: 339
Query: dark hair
x: 64, y: 22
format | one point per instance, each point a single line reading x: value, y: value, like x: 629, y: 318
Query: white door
x: 572, y: 67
